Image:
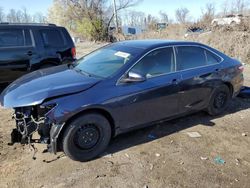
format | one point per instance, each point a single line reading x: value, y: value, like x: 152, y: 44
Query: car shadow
x: 167, y: 128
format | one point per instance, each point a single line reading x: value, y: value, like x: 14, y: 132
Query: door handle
x: 29, y: 53
x: 175, y: 81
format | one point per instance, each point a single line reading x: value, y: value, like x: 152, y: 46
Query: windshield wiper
x: 85, y: 73
x: 82, y: 72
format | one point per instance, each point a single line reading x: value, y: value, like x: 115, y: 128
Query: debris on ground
x: 107, y: 155
x: 219, y: 160
x: 244, y: 134
x: 182, y: 163
x: 151, y: 136
x: 157, y: 155
x: 237, y: 161
x: 204, y: 158
x: 101, y: 176
x: 194, y: 134
x: 126, y: 155
x: 151, y: 166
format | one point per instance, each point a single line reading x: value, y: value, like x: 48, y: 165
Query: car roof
x: 147, y: 44
x: 26, y: 25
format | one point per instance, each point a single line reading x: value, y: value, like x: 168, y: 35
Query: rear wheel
x: 86, y: 137
x: 219, y: 100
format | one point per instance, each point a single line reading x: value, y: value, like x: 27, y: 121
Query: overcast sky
x: 147, y: 6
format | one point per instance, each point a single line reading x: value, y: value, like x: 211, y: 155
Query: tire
x: 219, y: 100
x: 86, y: 137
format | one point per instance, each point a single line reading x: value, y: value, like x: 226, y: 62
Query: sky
x: 32, y: 6
x: 148, y: 6
x: 169, y: 6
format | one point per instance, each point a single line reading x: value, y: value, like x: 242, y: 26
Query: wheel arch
x: 230, y: 86
x: 100, y: 111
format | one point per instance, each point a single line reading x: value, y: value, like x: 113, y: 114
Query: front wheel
x: 86, y: 137
x: 219, y: 100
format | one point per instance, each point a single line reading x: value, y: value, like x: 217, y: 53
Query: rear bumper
x: 238, y: 83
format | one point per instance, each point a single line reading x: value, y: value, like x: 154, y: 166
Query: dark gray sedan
x: 123, y: 86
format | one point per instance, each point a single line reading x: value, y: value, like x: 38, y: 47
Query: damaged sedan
x: 120, y: 87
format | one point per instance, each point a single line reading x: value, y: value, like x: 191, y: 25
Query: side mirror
x: 133, y: 77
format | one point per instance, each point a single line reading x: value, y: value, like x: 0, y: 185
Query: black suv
x: 28, y: 47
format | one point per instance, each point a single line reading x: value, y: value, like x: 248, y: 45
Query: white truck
x: 233, y: 19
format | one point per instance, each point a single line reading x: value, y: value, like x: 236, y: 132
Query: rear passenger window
x: 156, y: 63
x: 11, y: 37
x: 52, y: 37
x: 190, y: 57
x: 212, y: 58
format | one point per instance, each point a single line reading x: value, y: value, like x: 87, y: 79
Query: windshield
x: 104, y: 62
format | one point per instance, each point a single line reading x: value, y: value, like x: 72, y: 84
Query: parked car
x: 194, y: 31
x: 119, y: 88
x: 232, y: 20
x: 28, y: 47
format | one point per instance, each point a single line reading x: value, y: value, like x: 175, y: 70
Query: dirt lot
x: 171, y: 159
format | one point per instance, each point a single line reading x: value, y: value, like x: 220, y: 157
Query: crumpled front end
x: 32, y: 119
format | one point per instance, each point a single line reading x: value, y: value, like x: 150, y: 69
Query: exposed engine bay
x: 30, y: 120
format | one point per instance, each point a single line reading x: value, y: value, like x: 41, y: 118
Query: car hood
x: 34, y: 88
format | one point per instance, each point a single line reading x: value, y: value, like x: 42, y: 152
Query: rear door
x: 200, y: 69
x: 16, y: 48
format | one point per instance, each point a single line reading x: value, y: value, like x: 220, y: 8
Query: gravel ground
x: 171, y: 159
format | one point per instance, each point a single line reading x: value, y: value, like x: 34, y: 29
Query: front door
x: 154, y: 99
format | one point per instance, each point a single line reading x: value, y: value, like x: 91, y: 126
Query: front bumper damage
x: 30, y: 120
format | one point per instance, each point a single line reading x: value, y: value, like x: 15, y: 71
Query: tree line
x: 21, y: 16
x: 92, y: 19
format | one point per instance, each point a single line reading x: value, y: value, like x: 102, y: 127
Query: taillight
x: 241, y: 68
x: 73, y: 52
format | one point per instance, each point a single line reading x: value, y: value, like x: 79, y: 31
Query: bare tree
x: 39, y: 18
x: 238, y: 6
x: 2, y: 15
x: 225, y: 8
x: 208, y: 13
x: 134, y: 18
x: 12, y: 16
x: 234, y: 7
x: 181, y: 15
x: 25, y: 17
x: 92, y: 17
x: 151, y: 22
x: 123, y: 4
x: 163, y: 16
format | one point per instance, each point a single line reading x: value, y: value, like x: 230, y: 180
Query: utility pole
x: 115, y: 15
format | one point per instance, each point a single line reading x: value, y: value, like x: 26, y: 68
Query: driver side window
x: 156, y: 63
